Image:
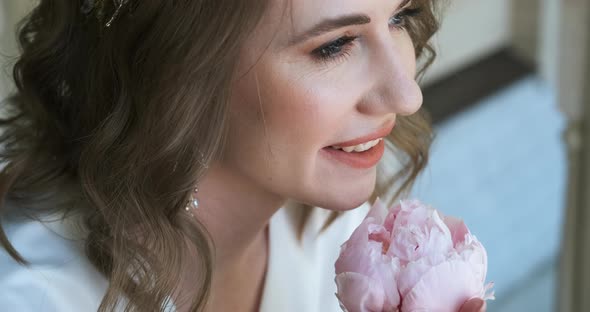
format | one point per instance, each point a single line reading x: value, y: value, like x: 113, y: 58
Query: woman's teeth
x: 358, y: 148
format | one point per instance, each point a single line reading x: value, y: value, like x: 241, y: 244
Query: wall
x: 574, y: 100
x: 549, y: 45
x: 11, y: 11
x: 470, y: 29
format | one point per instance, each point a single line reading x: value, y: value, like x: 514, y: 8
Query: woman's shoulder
x: 58, y: 276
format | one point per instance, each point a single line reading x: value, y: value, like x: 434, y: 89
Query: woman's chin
x: 342, y: 195
x: 340, y: 202
x: 343, y: 200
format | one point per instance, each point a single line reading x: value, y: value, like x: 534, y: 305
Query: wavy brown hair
x: 124, y: 120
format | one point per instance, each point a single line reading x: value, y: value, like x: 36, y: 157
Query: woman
x: 131, y: 114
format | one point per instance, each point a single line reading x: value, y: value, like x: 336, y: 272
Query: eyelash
x: 340, y: 48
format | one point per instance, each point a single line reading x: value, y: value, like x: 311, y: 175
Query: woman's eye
x: 400, y: 19
x: 334, y: 49
x: 341, y: 46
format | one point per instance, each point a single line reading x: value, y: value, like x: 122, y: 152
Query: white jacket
x: 300, y: 277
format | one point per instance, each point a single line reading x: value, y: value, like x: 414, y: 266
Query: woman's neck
x: 235, y: 212
x: 241, y: 288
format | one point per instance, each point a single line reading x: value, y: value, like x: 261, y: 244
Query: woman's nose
x: 394, y: 88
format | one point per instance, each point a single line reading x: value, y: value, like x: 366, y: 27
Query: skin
x: 287, y: 106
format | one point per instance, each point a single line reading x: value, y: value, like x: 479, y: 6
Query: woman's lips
x: 381, y: 133
x: 365, y: 159
x: 357, y: 160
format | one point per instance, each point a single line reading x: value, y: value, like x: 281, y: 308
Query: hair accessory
x: 120, y: 4
x: 99, y: 7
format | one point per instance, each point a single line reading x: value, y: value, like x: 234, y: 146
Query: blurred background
x: 506, y: 95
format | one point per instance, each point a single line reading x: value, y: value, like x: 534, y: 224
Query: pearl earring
x: 192, y: 203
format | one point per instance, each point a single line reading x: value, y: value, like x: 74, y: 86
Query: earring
x: 192, y: 203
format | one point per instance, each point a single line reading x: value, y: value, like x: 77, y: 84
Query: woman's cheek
x: 306, y: 120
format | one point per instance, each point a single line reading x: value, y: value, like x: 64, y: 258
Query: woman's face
x: 316, y: 73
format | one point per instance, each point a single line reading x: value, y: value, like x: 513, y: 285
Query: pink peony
x: 409, y: 259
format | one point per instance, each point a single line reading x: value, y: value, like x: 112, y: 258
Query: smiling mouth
x: 358, y: 148
x: 363, y: 152
x: 367, y: 141
x: 358, y: 160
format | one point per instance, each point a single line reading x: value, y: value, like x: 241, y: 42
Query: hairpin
x: 99, y: 7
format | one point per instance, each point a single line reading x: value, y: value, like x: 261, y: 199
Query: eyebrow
x: 330, y: 24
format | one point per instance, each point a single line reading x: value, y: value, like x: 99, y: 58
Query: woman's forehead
x: 296, y: 16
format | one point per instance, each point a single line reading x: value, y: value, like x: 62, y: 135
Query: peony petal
x: 364, y: 256
x: 359, y: 293
x: 473, y: 252
x: 383, y: 270
x: 411, y: 212
x: 410, y: 275
x: 378, y: 212
x: 458, y: 229
x: 437, y: 247
x: 420, y: 233
x: 356, y: 245
x: 405, y: 243
x: 390, y: 221
x: 444, y: 288
x: 488, y: 292
x: 359, y: 253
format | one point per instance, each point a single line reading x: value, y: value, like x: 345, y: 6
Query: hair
x: 87, y: 119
